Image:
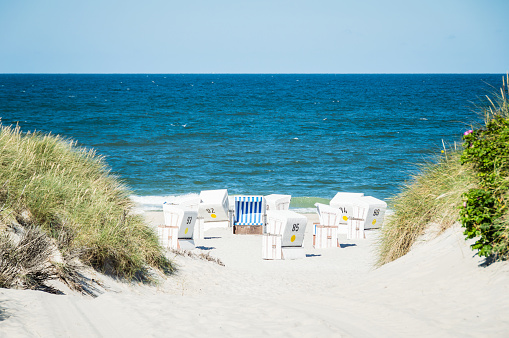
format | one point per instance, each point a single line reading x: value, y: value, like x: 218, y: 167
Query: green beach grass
x: 434, y: 195
x: 68, y: 193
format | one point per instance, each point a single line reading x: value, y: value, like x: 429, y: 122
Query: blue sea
x: 170, y: 136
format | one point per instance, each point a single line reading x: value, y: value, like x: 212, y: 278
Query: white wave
x: 147, y: 203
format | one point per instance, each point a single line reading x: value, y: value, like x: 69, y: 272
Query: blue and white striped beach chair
x: 250, y: 210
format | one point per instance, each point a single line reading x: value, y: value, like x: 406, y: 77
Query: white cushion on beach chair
x: 214, y: 205
x: 250, y: 210
x: 183, y: 217
x: 278, y: 202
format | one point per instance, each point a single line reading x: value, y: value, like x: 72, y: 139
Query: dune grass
x: 68, y: 192
x: 434, y: 195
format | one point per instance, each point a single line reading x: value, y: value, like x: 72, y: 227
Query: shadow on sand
x: 205, y: 247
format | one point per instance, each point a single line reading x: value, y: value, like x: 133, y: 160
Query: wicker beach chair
x: 213, y: 208
x: 178, y: 229
x: 371, y: 209
x: 344, y: 201
x: 278, y: 202
x: 285, y: 235
x: 325, y: 233
x: 249, y: 215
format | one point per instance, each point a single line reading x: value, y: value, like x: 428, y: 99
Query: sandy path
x: 436, y: 290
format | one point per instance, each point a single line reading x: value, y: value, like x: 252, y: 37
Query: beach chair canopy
x: 213, y: 205
x: 183, y: 217
x: 278, y: 202
x: 289, y: 224
x: 250, y: 210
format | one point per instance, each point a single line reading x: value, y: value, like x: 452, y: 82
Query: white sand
x: 437, y: 290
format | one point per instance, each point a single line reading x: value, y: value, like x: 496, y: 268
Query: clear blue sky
x: 256, y: 36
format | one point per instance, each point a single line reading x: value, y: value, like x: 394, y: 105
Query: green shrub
x: 67, y: 191
x: 484, y: 210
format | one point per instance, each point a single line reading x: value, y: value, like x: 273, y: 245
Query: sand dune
x: 438, y: 289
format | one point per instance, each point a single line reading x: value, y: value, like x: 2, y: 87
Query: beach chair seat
x: 182, y: 220
x: 325, y: 236
x: 355, y: 228
x: 249, y: 215
x: 250, y: 210
x: 278, y: 202
x: 271, y: 246
x: 213, y: 208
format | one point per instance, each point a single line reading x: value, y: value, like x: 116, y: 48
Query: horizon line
x: 219, y: 73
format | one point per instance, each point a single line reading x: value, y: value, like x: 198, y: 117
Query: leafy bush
x: 68, y: 192
x: 484, y: 210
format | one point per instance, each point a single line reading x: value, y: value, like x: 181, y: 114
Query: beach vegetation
x: 66, y: 196
x: 485, y: 211
x: 432, y: 196
x: 469, y: 184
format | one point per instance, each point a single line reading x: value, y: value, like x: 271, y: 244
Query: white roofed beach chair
x: 250, y: 210
x: 344, y: 201
x: 325, y: 234
x: 179, y: 225
x: 278, y: 202
x: 372, y: 210
x: 213, y: 208
x: 368, y: 212
x: 285, y: 235
x: 249, y: 215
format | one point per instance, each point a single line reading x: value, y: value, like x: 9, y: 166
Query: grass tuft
x: 434, y: 195
x: 68, y: 192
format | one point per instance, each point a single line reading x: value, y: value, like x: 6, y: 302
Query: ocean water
x: 170, y: 136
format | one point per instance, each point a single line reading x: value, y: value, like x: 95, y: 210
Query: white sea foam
x: 304, y: 210
x: 147, y: 203
x: 155, y: 203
